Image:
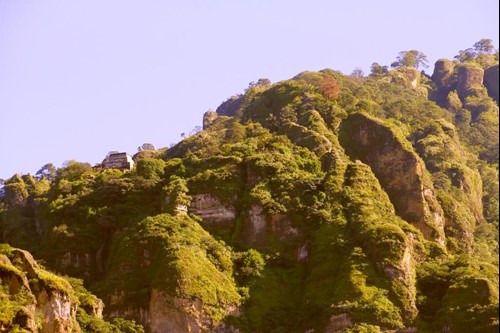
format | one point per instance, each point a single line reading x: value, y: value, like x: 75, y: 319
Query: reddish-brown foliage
x: 329, y: 87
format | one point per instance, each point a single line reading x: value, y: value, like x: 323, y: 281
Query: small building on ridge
x: 116, y: 160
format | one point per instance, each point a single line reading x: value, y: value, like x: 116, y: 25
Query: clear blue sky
x: 80, y: 78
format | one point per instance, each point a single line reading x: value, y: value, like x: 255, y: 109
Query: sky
x: 81, y: 78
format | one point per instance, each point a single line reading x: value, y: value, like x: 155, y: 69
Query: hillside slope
x: 323, y: 203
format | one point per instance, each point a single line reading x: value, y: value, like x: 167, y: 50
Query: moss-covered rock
x: 171, y: 260
x: 469, y: 80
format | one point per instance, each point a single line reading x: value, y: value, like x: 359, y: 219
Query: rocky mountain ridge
x: 323, y: 203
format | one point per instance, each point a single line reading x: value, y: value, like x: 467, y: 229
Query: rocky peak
x: 443, y: 74
x: 208, y: 118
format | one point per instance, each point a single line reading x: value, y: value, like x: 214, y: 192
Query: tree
x: 195, y: 130
x: 357, y: 73
x: 484, y: 46
x: 481, y: 52
x: 146, y: 146
x: 73, y: 170
x: 176, y: 193
x: 378, y: 70
x: 412, y: 58
x: 261, y: 83
x: 151, y: 168
x: 465, y: 55
x: 48, y: 171
x: 249, y: 264
x: 15, y: 190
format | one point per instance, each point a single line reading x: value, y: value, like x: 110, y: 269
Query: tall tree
x: 484, y: 46
x: 465, y: 55
x: 146, y: 146
x: 357, y: 73
x: 412, y: 58
x: 378, y: 70
x: 48, y: 171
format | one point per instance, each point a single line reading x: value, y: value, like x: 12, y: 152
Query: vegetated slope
x: 33, y: 299
x: 324, y: 203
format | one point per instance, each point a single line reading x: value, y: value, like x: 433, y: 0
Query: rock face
x: 230, y: 107
x: 45, y: 294
x: 398, y: 266
x: 468, y: 77
x: 440, y: 148
x: 445, y: 79
x: 208, y: 118
x: 167, y: 313
x: 399, y: 170
x: 82, y: 262
x: 338, y: 323
x: 443, y: 74
x: 491, y: 79
x: 211, y: 210
x: 259, y: 227
x: 58, y: 312
x: 173, y: 314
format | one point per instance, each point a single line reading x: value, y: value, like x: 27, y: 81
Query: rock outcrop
x: 211, y: 210
x: 230, y: 107
x: 259, y: 228
x: 182, y: 276
x: 441, y: 150
x: 395, y: 258
x: 46, y: 297
x: 82, y: 262
x: 443, y: 74
x: 400, y: 172
x: 491, y: 79
x: 469, y: 76
x: 208, y: 118
x: 174, y: 314
x: 445, y: 79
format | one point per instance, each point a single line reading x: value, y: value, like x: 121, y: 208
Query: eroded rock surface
x: 212, y: 210
x: 48, y: 307
x: 468, y: 78
x: 398, y: 169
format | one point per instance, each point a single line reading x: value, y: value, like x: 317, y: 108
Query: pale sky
x: 81, y: 78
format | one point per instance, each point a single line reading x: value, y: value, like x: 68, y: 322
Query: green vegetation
x: 362, y: 204
x: 26, y: 288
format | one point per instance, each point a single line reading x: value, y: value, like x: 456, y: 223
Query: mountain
x: 323, y: 203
